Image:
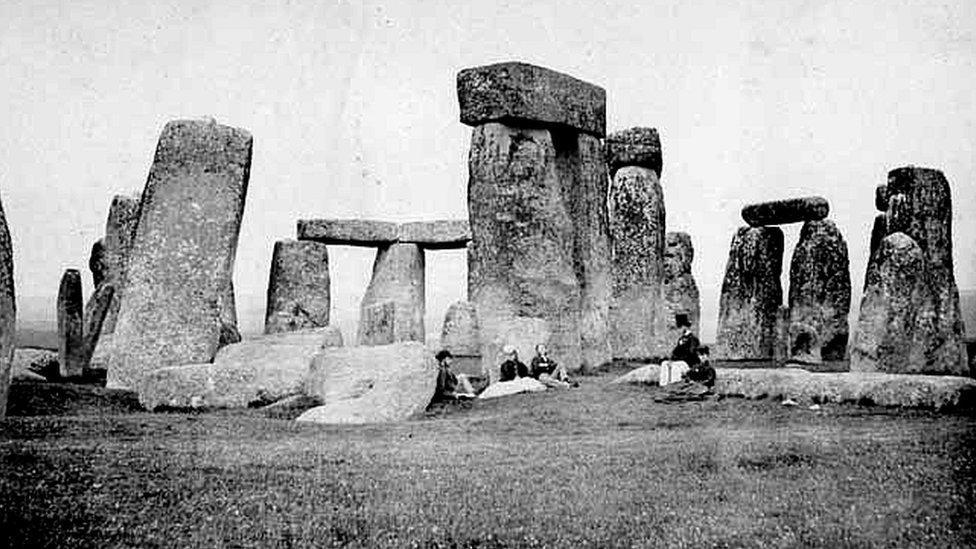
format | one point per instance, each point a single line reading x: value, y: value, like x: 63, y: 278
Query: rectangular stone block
x: 440, y: 234
x: 515, y: 93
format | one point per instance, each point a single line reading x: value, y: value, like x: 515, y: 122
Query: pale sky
x: 354, y: 114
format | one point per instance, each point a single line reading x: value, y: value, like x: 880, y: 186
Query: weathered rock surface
x: 878, y: 232
x: 439, y: 234
x: 820, y: 293
x: 123, y: 216
x: 97, y: 263
x: 298, y: 287
x: 71, y: 351
x: 260, y: 370
x: 182, y: 255
x: 8, y: 312
x: 228, y: 315
x: 523, y: 333
x: 751, y: 295
x: 792, y: 210
x: 398, y: 278
x: 521, y: 257
x: 377, y: 323
x: 634, y: 147
x: 881, y: 198
x: 637, y: 222
x: 460, y: 334
x: 681, y: 294
x: 514, y: 387
x: 95, y: 313
x: 43, y: 362
x: 649, y: 374
x: 522, y: 94
x: 377, y: 384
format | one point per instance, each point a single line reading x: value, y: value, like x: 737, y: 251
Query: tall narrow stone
x: 460, y: 334
x: 751, y: 295
x: 182, y: 255
x: 681, y: 294
x: 820, y: 293
x: 637, y: 222
x: 120, y: 227
x: 71, y: 352
x: 398, y: 278
x: 95, y: 312
x: 298, y: 288
x: 8, y: 312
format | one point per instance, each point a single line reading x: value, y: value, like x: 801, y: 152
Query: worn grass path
x: 600, y: 466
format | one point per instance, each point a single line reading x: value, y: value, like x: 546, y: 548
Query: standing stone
x: 298, y: 288
x: 820, y: 293
x: 881, y: 197
x: 751, y: 295
x: 97, y: 263
x: 681, y: 294
x: 398, y: 277
x: 229, y: 333
x: 637, y: 221
x: 792, y: 210
x: 182, y: 256
x: 95, y: 312
x: 781, y: 350
x: 120, y: 227
x: 8, y: 312
x: 71, y: 353
x: 878, y: 231
x: 377, y: 324
x: 460, y: 333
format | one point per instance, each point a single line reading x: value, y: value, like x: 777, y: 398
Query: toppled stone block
x: 634, y: 147
x: 793, y: 210
x: 71, y: 352
x: 522, y: 94
x: 649, y: 374
x: 299, y: 287
x: 378, y: 384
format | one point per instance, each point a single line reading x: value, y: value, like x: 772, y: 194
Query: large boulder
x: 820, y: 293
x: 377, y: 384
x: 514, y: 387
x: 460, y: 334
x: 71, y: 352
x: 649, y: 374
x: 298, y: 287
x: 751, y: 295
x: 792, y: 210
x: 680, y: 291
x: 398, y: 279
x: 182, y: 255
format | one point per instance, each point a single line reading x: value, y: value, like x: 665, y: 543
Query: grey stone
x: 460, y: 334
x: 377, y: 324
x: 331, y: 336
x: 120, y: 227
x: 43, y: 362
x: 398, y: 278
x: 878, y: 231
x: 781, y: 349
x: 183, y: 252
x: 637, y: 223
x: 792, y: 210
x: 751, y: 295
x: 228, y: 314
x: 8, y: 312
x: 96, y: 311
x: 522, y: 333
x: 377, y: 384
x: 881, y: 198
x: 634, y: 147
x: 97, y: 263
x: 820, y: 293
x: 681, y: 295
x: 528, y: 95
x: 298, y: 287
x: 438, y: 234
x: 71, y: 345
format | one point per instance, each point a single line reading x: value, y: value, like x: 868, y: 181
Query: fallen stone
x: 299, y: 287
x: 71, y: 351
x: 43, y: 362
x: 183, y: 251
x: 460, y: 333
x: 25, y: 375
x: 398, y: 278
x: 292, y: 407
x: 634, y: 147
x: 522, y: 94
x: 751, y: 295
x: 649, y: 374
x: 820, y: 293
x: 378, y: 384
x: 881, y: 198
x: 441, y: 234
x: 792, y: 210
x: 8, y: 312
x: 514, y: 387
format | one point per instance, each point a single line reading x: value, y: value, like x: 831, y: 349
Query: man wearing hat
x: 448, y: 381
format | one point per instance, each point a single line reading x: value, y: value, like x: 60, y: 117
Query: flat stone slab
x: 440, y: 234
x: 791, y: 210
x: 514, y: 387
x: 519, y: 92
x: 634, y: 147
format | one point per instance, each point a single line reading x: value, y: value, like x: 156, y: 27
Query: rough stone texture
x: 97, y: 263
x: 637, y: 222
x: 8, y: 312
x: 298, y: 287
x: 95, y: 313
x: 460, y: 333
x: 331, y: 337
x: 524, y: 334
x: 522, y: 94
x: 792, y: 210
x: 680, y: 292
x: 398, y: 277
x: 514, y: 387
x: 376, y: 384
x: 228, y: 315
x: 820, y: 293
x: 182, y: 256
x: 751, y: 295
x: 521, y: 257
x: 120, y: 227
x: 377, y: 324
x: 878, y: 232
x: 881, y: 198
x: 71, y: 345
x: 439, y: 234
x: 781, y: 348
x: 634, y: 147
x: 43, y: 362
x: 258, y: 371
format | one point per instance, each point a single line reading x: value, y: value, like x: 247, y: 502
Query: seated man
x: 702, y: 372
x: 546, y: 370
x: 684, y: 355
x: 512, y: 367
x: 448, y: 381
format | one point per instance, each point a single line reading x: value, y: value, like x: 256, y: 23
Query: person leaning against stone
x: 546, y: 370
x: 512, y: 367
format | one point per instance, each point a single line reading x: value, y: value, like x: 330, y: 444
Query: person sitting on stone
x: 448, y: 382
x: 702, y: 372
x: 546, y: 370
x: 512, y: 367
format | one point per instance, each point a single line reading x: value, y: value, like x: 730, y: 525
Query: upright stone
x: 229, y: 334
x: 751, y: 295
x: 71, y: 352
x: 95, y: 312
x: 792, y: 210
x: 97, y: 263
x: 123, y: 215
x: 8, y: 312
x: 820, y: 292
x: 681, y: 294
x: 460, y: 334
x: 637, y: 221
x: 182, y: 255
x: 298, y: 288
x: 398, y: 277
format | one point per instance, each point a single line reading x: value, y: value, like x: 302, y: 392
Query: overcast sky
x: 354, y: 113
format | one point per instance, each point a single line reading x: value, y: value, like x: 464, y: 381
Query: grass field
x: 599, y: 466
